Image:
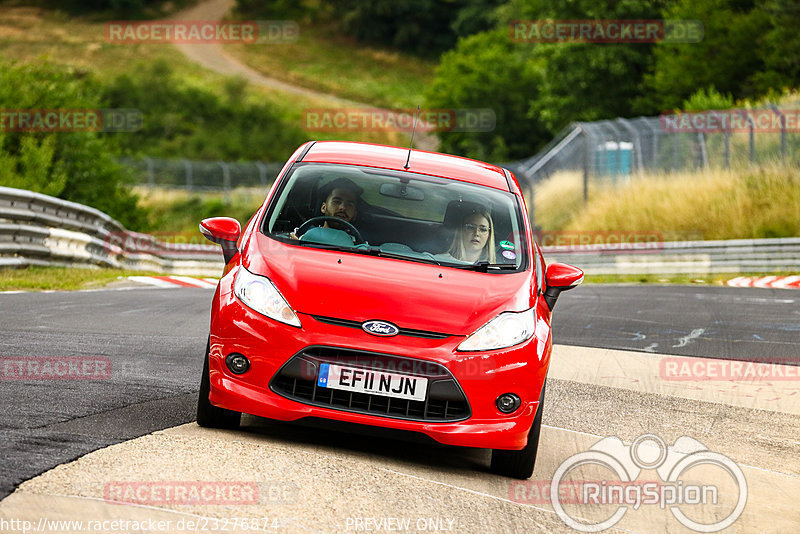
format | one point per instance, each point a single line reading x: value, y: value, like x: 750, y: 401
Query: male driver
x: 341, y: 200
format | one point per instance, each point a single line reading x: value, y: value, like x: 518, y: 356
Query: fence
x: 195, y: 175
x: 614, y: 151
x: 617, y: 150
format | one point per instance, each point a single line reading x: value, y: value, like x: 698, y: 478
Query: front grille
x: 402, y: 331
x: 444, y: 401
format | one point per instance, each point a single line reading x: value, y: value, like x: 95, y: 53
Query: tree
x: 729, y: 58
x: 487, y: 70
x: 75, y: 165
x: 538, y: 88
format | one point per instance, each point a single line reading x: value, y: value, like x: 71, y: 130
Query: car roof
x: 423, y: 162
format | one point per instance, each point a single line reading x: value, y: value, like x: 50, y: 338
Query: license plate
x: 370, y: 381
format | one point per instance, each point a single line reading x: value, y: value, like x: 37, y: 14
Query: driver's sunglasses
x: 482, y: 228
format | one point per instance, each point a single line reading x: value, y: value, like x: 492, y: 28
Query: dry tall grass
x: 712, y: 204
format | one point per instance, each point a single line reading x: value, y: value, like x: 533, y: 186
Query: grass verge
x: 718, y: 279
x: 35, y: 34
x: 75, y: 278
x: 180, y: 211
x: 333, y: 63
x: 61, y: 278
x: 717, y: 204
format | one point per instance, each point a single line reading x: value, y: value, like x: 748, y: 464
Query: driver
x: 341, y: 201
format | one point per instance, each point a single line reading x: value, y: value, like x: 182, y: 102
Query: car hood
x: 409, y: 294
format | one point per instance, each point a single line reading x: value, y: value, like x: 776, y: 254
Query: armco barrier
x: 37, y: 229
x: 684, y: 257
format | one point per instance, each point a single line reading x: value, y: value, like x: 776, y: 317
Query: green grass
x: 60, y: 278
x: 179, y: 211
x: 33, y: 35
x: 337, y: 64
x: 747, y: 203
x: 675, y: 279
x: 74, y: 278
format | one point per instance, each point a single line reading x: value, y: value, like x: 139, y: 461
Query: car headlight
x: 505, y: 330
x: 260, y: 294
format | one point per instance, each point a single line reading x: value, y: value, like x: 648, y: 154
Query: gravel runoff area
x: 275, y: 477
x: 281, y: 487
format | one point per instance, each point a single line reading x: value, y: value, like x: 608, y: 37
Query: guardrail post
x: 783, y: 131
x: 151, y: 179
x: 675, y: 159
x: 701, y: 144
x: 727, y: 150
x: 586, y: 157
x: 187, y: 165
x: 262, y: 173
x: 226, y: 181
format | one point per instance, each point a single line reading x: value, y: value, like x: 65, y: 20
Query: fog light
x: 508, y: 402
x: 237, y: 363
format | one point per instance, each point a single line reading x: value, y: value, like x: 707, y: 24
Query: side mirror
x: 223, y: 231
x: 560, y: 277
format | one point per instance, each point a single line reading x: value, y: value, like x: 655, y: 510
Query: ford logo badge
x: 380, y: 328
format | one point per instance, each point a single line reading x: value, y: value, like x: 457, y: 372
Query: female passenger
x: 474, y: 239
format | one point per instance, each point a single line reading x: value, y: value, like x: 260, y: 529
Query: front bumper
x: 481, y: 376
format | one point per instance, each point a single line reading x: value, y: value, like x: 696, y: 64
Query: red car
x: 387, y: 287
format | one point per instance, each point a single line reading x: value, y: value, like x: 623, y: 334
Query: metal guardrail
x: 37, y: 229
x: 684, y: 257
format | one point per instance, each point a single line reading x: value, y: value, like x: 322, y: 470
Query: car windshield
x: 402, y: 215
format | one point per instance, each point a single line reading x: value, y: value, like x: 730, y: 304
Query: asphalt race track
x: 154, y: 339
x: 714, y: 322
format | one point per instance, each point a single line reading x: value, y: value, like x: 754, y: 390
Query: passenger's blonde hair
x: 457, y: 247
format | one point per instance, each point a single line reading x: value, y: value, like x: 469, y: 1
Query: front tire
x: 519, y: 464
x: 208, y: 415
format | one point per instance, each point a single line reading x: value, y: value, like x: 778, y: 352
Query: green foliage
x: 32, y: 166
x: 535, y: 88
x: 117, y: 8
x: 738, y: 54
x: 750, y: 50
x: 76, y: 166
x: 782, y: 46
x: 196, y: 122
x: 705, y: 99
x: 421, y: 27
x: 305, y: 10
x: 487, y: 70
x: 183, y: 214
x: 589, y: 81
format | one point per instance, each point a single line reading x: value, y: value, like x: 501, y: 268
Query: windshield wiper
x: 377, y: 251
x: 484, y: 266
x: 368, y: 251
x: 325, y: 246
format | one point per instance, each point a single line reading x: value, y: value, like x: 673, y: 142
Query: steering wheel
x: 315, y: 221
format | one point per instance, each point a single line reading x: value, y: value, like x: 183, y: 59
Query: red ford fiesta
x: 386, y: 287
